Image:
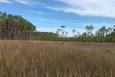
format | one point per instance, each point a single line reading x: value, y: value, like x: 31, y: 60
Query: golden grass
x: 56, y: 59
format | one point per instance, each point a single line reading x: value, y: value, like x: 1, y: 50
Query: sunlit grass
x: 56, y: 59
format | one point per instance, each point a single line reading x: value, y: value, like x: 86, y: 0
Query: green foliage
x: 44, y: 36
x: 15, y: 27
x: 104, y: 34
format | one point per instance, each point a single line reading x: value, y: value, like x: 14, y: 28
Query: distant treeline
x: 15, y: 27
x: 44, y: 36
x: 104, y: 34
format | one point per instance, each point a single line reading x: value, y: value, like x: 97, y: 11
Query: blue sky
x: 48, y: 15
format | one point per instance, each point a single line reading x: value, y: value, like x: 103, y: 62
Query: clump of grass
x: 27, y: 59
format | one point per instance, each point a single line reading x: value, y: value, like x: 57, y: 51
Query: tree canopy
x: 15, y: 27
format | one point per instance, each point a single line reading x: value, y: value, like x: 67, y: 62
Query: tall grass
x: 30, y: 59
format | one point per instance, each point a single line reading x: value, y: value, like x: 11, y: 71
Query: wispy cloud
x: 25, y: 2
x: 87, y: 7
x: 29, y: 2
x: 5, y: 1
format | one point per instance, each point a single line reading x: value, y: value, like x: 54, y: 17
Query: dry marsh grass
x: 56, y: 59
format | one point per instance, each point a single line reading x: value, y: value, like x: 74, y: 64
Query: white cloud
x: 28, y: 2
x: 25, y: 2
x: 5, y: 1
x: 104, y: 8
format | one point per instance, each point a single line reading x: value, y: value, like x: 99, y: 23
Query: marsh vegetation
x: 56, y: 59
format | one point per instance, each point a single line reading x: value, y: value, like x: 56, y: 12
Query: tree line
x: 15, y: 27
x: 104, y: 34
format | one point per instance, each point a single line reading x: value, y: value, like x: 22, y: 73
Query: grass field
x: 56, y: 59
